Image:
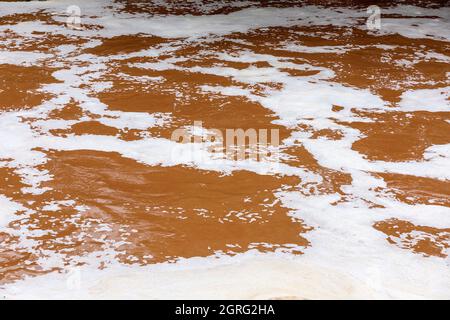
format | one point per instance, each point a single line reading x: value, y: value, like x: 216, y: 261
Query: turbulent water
x: 98, y: 200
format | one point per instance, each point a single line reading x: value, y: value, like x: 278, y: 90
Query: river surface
x: 351, y: 199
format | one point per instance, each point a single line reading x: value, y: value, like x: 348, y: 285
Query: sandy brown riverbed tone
x: 87, y: 116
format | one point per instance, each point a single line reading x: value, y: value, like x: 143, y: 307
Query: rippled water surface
x: 90, y: 177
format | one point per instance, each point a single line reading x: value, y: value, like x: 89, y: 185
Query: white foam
x: 348, y: 258
x: 8, y: 208
x: 315, y: 49
x: 433, y: 100
x: 25, y: 58
x: 113, y: 23
x: 248, y: 276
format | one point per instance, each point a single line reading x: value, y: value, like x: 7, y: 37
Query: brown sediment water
x: 402, y: 136
x: 413, y: 190
x: 126, y: 44
x: 425, y: 240
x: 18, y: 86
x: 155, y: 214
x: 97, y: 199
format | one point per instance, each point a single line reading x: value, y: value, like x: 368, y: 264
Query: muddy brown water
x: 151, y: 214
